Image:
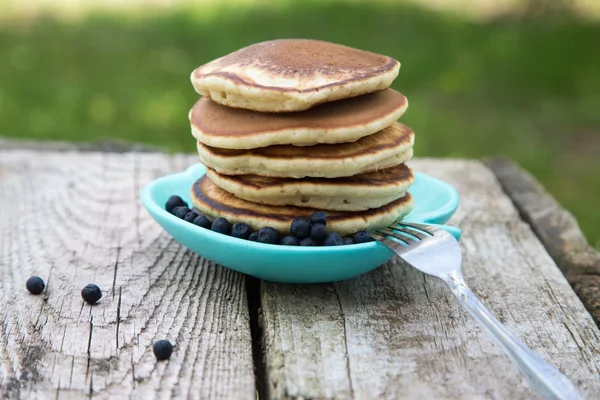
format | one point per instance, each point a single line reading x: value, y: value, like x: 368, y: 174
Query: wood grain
x: 396, y: 333
x: 557, y: 229
x: 73, y: 219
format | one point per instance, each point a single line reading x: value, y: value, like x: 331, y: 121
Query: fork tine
x: 426, y: 228
x: 411, y: 232
x: 385, y: 240
x: 405, y: 239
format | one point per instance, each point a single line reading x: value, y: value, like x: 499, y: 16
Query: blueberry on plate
x: 35, y: 285
x: 268, y: 235
x: 362, y: 237
x: 253, y: 237
x: 348, y: 240
x: 290, y: 241
x: 300, y: 228
x: 221, y: 225
x: 307, y: 242
x: 240, y: 230
x: 318, y: 233
x: 162, y: 350
x: 202, y: 221
x: 318, y: 218
x: 181, y: 212
x: 174, y: 201
x: 91, y: 294
x: 334, y: 239
x: 190, y: 217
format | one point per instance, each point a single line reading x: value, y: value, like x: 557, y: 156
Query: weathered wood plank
x: 396, y: 333
x: 75, y: 218
x: 557, y: 229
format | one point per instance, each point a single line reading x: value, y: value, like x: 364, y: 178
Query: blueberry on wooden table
x: 318, y: 218
x: 333, y: 239
x: 300, y: 227
x: 35, y: 285
x: 174, y: 201
x: 190, y: 217
x: 91, y: 294
x: 240, y: 230
x: 362, y: 237
x: 268, y: 235
x: 253, y: 237
x: 181, y: 212
x: 203, y: 221
x: 318, y: 233
x: 290, y: 241
x: 221, y: 225
x: 307, y: 242
x: 162, y: 350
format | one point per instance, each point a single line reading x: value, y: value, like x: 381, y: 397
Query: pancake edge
x: 301, y: 187
x: 325, y: 203
x: 344, y: 227
x: 297, y: 136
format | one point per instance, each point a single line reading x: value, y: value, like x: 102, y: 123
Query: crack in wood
x: 118, y: 324
x: 89, y: 346
x: 345, y: 340
x: 116, y: 268
x: 253, y: 294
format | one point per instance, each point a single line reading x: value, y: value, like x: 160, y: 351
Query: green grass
x: 524, y: 89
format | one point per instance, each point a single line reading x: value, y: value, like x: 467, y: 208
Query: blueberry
x: 202, y: 221
x: 174, y: 201
x: 190, y: 217
x: 268, y: 235
x: 318, y: 233
x: 35, y: 285
x: 362, y: 237
x: 307, y: 242
x: 300, y: 228
x: 290, y: 241
x: 240, y: 230
x: 318, y: 218
x: 253, y: 237
x: 333, y: 239
x: 162, y: 350
x: 221, y: 225
x: 91, y: 293
x: 181, y: 212
x: 348, y: 240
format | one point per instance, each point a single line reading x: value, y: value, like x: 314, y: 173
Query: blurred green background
x: 484, y: 78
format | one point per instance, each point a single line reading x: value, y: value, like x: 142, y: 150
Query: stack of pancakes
x: 288, y: 127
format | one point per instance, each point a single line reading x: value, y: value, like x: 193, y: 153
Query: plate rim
x: 196, y: 171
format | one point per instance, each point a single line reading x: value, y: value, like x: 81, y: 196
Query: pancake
x: 215, y: 202
x: 292, y: 75
x: 386, y: 148
x: 356, y: 193
x: 337, y: 122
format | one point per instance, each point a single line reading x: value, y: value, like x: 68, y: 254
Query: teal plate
x: 435, y: 202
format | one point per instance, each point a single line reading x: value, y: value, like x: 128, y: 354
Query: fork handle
x: 546, y: 380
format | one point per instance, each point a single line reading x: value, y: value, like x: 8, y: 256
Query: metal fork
x: 435, y: 252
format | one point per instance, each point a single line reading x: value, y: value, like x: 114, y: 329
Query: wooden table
x: 73, y: 217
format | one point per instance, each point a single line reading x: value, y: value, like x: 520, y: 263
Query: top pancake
x: 292, y: 75
x: 337, y: 122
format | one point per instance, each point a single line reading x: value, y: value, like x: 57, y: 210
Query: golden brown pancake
x: 355, y: 193
x: 215, y: 202
x: 292, y: 75
x: 387, y: 148
x: 337, y: 122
